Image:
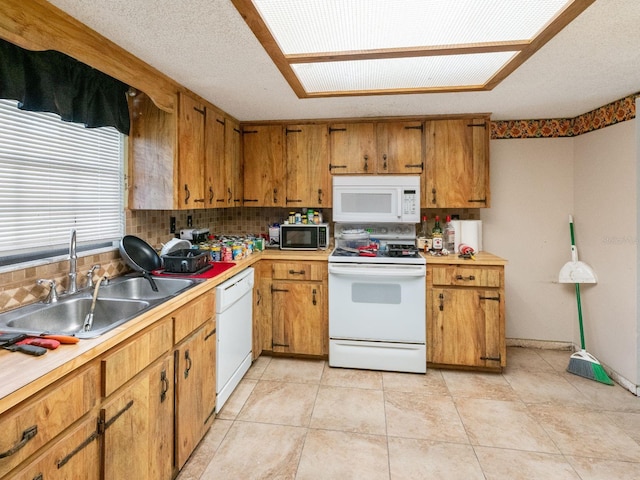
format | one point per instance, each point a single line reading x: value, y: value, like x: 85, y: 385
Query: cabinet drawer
x: 126, y: 362
x: 188, y: 318
x: 75, y: 455
x: 47, y: 414
x: 299, y: 271
x: 467, y: 276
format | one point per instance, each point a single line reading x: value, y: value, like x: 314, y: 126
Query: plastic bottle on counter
x: 436, y: 232
x: 449, y: 236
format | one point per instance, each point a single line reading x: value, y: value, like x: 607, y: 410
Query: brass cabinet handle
x: 366, y: 163
x: 314, y: 300
x: 165, y: 385
x: 470, y: 277
x: 384, y: 161
x: 187, y: 193
x: 210, y: 194
x: 296, y: 272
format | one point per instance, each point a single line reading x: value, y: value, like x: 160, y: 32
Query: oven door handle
x: 379, y: 270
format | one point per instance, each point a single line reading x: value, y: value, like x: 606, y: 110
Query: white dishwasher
x: 234, y: 302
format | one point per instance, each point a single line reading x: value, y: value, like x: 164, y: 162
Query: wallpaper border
x: 619, y: 111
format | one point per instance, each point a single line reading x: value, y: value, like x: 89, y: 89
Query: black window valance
x: 51, y: 81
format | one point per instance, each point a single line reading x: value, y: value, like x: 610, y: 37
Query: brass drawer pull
x: 294, y: 272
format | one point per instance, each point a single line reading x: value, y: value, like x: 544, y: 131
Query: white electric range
x: 377, y: 299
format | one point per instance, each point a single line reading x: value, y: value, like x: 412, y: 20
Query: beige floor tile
x: 281, y: 403
x: 257, y: 368
x: 526, y: 359
x: 583, y: 432
x: 503, y: 464
x: 257, y: 451
x: 429, y: 417
x: 605, y: 397
x: 596, y: 469
x: 199, y: 460
x: 496, y: 423
x: 293, y: 370
x: 347, y: 377
x: 343, y: 455
x: 424, y: 459
x: 490, y: 386
x: 629, y: 422
x: 350, y: 410
x: 545, y: 387
x: 236, y: 401
x: 558, y: 359
x: 430, y: 383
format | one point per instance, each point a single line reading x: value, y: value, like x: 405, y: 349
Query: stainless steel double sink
x: 121, y: 300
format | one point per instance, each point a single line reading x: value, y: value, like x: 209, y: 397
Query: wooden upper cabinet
x: 307, y: 158
x: 214, y: 159
x: 352, y: 148
x: 400, y: 147
x: 233, y: 171
x: 263, y: 154
x: 383, y: 147
x: 191, y: 133
x: 457, y: 164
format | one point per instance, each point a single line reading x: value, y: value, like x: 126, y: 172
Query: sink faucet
x: 73, y: 264
x: 53, y: 294
x: 88, y: 320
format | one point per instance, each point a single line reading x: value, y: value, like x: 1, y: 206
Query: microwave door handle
x: 399, y: 215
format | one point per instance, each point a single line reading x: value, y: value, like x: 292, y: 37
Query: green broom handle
x: 573, y: 242
x: 580, y: 315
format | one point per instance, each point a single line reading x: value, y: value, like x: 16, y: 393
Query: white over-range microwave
x: 381, y: 198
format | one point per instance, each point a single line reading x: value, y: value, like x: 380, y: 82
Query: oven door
x: 373, y: 302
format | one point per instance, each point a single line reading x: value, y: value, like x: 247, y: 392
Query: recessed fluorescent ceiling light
x: 361, y: 47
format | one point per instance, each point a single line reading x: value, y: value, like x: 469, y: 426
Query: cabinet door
x: 400, y: 147
x: 195, y: 374
x: 263, y: 166
x: 307, y: 159
x: 457, y: 164
x: 465, y: 327
x: 214, y: 160
x: 352, y: 148
x: 299, y: 320
x: 191, y: 153
x: 233, y: 175
x: 262, y: 323
x: 138, y: 426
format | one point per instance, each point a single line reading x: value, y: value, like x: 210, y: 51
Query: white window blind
x: 56, y: 176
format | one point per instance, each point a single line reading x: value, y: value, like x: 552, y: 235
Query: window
x: 57, y: 176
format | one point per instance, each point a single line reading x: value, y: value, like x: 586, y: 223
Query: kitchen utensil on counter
x: 10, y: 341
x: 581, y: 363
x: 175, y: 244
x: 186, y: 261
x: 64, y: 339
x: 48, y: 343
x: 140, y: 256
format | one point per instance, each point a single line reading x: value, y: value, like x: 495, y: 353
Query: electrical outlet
x: 189, y: 221
x: 172, y: 224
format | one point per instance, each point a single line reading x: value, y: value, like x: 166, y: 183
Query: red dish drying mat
x: 216, y: 269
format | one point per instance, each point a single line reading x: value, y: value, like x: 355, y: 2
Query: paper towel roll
x: 469, y: 232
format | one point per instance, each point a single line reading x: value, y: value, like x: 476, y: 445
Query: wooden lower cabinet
x: 299, y: 318
x: 137, y: 425
x: 290, y: 308
x: 465, y: 316
x: 195, y: 379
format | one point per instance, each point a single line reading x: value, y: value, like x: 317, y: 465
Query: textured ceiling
x: 207, y: 47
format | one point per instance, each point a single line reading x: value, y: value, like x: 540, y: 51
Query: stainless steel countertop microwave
x: 304, y: 236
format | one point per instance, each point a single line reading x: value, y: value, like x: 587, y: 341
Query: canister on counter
x: 227, y: 255
x: 298, y: 218
x: 292, y: 217
x: 237, y: 251
x: 216, y: 252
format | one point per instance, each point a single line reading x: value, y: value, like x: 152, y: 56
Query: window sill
x: 50, y: 260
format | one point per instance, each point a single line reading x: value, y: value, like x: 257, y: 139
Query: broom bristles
x: 586, y: 365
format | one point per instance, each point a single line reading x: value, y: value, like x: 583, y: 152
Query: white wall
x: 531, y: 197
x: 605, y: 185
x: 535, y: 185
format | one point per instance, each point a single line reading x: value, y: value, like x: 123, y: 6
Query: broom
x: 581, y: 363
